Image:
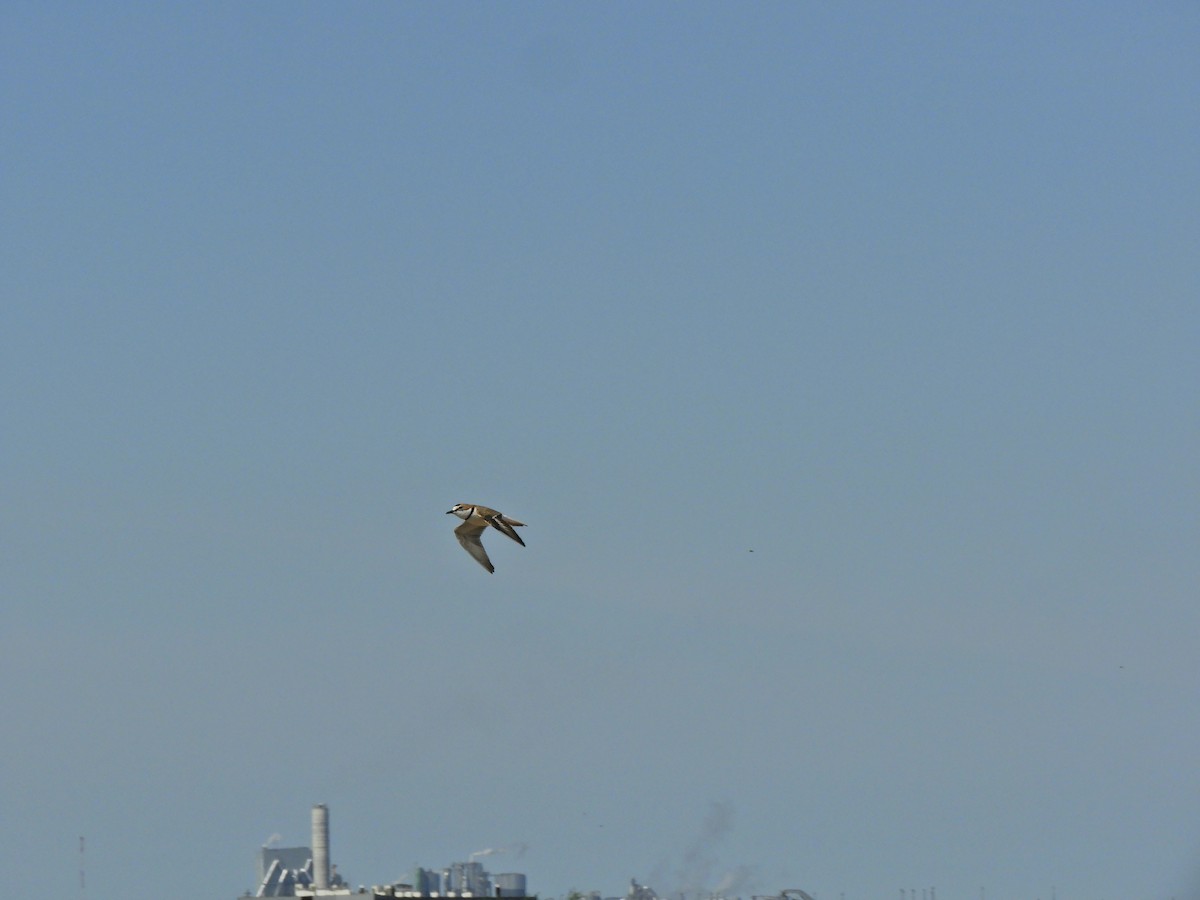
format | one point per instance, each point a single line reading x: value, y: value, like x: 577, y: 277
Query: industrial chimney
x: 320, y: 846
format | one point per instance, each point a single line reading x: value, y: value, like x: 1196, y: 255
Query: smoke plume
x: 698, y: 876
x: 516, y: 849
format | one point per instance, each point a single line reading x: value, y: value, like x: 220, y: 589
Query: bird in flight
x: 476, y: 519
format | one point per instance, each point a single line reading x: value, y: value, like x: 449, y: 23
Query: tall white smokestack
x: 320, y: 846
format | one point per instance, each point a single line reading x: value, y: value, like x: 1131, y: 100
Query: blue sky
x: 841, y: 358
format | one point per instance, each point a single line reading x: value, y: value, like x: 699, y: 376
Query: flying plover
x: 476, y: 519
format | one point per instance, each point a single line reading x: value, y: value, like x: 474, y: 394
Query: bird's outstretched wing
x: 468, y: 536
x: 504, y: 525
